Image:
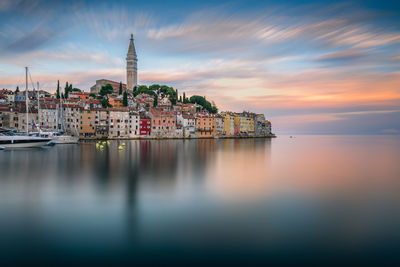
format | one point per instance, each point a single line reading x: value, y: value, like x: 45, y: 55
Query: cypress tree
x: 120, y: 88
x: 125, y: 99
x: 66, y: 90
x: 58, y: 90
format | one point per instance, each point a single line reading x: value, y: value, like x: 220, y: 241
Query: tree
x: 180, y: 99
x: 154, y: 87
x: 155, y: 101
x: 58, y: 90
x: 76, y: 90
x: 142, y: 89
x: 66, y: 90
x: 17, y: 90
x: 125, y: 99
x: 105, y: 103
x: 185, y: 100
x: 120, y: 88
x: 106, y: 90
x: 204, y: 103
x: 92, y: 95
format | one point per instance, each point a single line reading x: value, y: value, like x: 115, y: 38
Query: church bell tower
x: 131, y: 66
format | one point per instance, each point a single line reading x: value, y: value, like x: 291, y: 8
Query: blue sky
x: 310, y: 66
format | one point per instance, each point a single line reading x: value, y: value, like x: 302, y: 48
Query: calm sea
x: 308, y: 199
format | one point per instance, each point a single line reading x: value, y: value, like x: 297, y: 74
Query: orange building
x: 116, y: 102
x: 205, y: 125
x: 79, y: 95
x: 86, y: 123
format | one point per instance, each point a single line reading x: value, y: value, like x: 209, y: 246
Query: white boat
x: 22, y: 141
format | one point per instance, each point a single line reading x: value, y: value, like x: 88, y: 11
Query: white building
x: 119, y: 123
x: 134, y: 121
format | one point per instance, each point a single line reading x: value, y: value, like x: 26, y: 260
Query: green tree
x: 185, y: 100
x: 120, y: 88
x: 105, y: 103
x: 180, y: 99
x: 58, y: 90
x: 92, y: 95
x: 66, y: 90
x: 204, y: 103
x: 125, y: 99
x: 143, y: 88
x: 106, y: 90
x: 76, y: 90
x: 17, y: 90
x: 154, y: 87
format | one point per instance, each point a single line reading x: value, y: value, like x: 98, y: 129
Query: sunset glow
x: 334, y: 67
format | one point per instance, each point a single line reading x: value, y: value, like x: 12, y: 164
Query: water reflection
x: 252, y: 199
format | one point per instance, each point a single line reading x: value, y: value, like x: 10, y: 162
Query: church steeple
x: 131, y: 65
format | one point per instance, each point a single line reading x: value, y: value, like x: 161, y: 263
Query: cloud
x: 309, y: 64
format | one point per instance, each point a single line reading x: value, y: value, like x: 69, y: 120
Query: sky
x: 312, y: 67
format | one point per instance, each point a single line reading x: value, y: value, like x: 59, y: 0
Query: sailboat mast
x: 38, y: 99
x: 26, y: 99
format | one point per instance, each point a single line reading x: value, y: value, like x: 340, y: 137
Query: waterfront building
x: 244, y: 124
x: 9, y: 117
x: 229, y: 123
x: 32, y: 120
x: 86, y: 123
x: 188, y: 122
x: 70, y: 116
x: 119, y: 123
x: 48, y: 118
x: 205, y: 125
x: 219, y: 124
x: 144, y: 125
x: 134, y: 120
x: 131, y: 66
x: 163, y: 123
x: 261, y: 127
x: 101, y: 122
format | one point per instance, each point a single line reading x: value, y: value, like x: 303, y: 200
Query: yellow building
x: 229, y: 123
x: 244, y: 124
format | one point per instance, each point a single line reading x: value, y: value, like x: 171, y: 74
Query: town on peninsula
x: 115, y: 110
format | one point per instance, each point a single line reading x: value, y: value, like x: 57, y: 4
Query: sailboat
x: 8, y: 139
x: 59, y: 137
